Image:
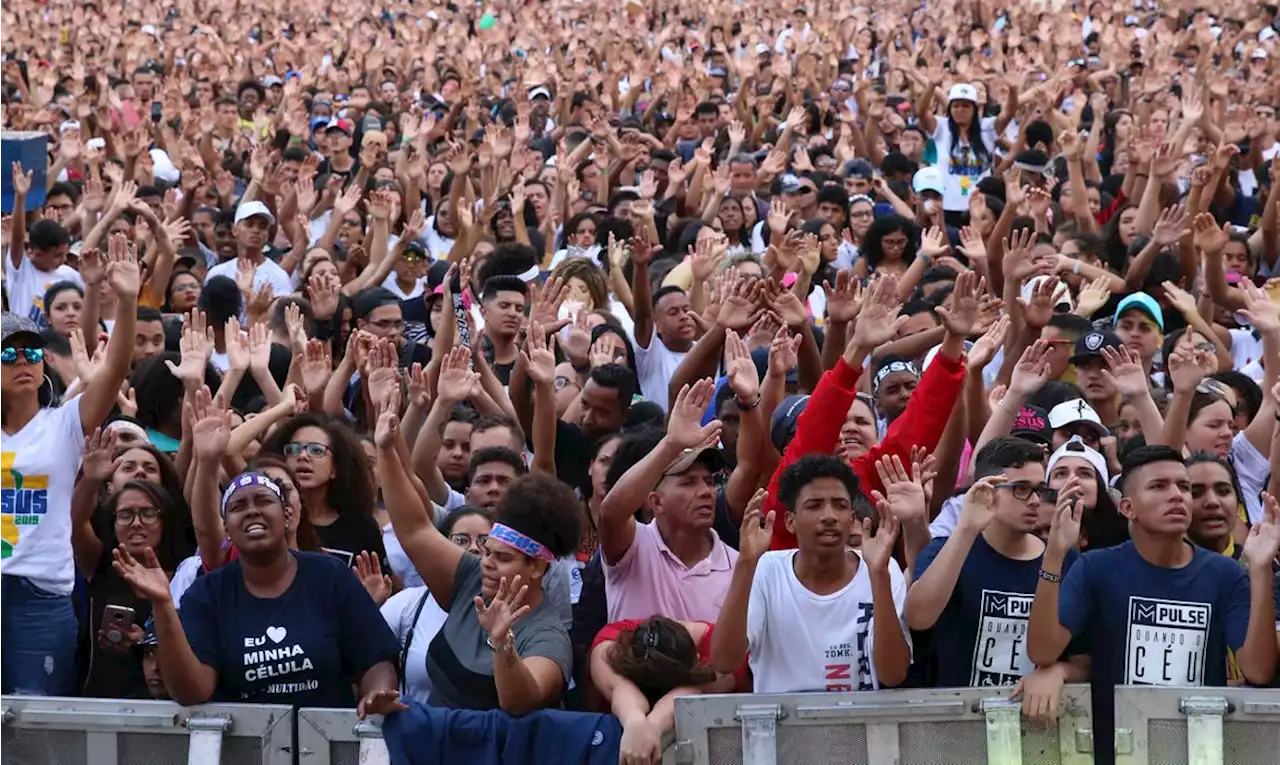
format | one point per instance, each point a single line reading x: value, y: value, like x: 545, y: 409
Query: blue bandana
x: 245, y: 480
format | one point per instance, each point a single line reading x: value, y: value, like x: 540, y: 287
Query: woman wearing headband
x: 272, y: 627
x: 503, y: 646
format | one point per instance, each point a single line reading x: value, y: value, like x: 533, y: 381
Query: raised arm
x: 730, y: 640
x: 100, y: 394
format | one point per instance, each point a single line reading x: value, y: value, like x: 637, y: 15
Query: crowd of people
x: 519, y: 356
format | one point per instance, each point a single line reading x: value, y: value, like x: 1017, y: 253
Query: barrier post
x: 1204, y: 728
x: 759, y: 733
x: 373, y: 749
x: 206, y: 739
x: 1004, y: 731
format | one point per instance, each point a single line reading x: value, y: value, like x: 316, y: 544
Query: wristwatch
x: 507, y: 642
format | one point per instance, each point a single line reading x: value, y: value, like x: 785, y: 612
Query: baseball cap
x: 1032, y: 423
x: 1062, y: 302
x: 340, y: 124
x: 1032, y: 161
x: 782, y: 428
x: 1259, y: 53
x: 711, y: 455
x: 859, y: 168
x: 929, y: 178
x: 252, y: 209
x: 12, y: 325
x: 1076, y: 447
x: 962, y: 91
x: 1140, y: 301
x: 1090, y: 345
x: 1076, y: 410
x: 540, y: 92
x: 271, y: 81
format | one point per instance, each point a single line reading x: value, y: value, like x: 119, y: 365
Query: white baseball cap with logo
x: 962, y: 91
x: 1076, y: 410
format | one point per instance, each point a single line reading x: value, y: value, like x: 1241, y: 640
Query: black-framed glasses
x: 462, y: 539
x: 388, y: 324
x: 126, y: 517
x: 32, y: 355
x: 311, y: 449
x: 1022, y: 490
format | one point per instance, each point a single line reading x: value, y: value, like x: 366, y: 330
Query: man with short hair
x: 492, y: 471
x: 664, y: 332
x: 974, y: 588
x: 820, y: 617
x: 379, y: 312
x: 252, y: 228
x: 1155, y: 610
x: 148, y: 335
x: 37, y: 259
x: 502, y: 304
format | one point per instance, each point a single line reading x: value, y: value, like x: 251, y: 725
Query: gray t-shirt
x: 460, y: 662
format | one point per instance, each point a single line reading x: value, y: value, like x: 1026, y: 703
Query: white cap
x: 1075, y: 447
x: 1075, y: 410
x: 541, y: 90
x: 162, y: 168
x: 1260, y: 53
x: 929, y: 178
x: 248, y: 210
x: 933, y: 354
x: 962, y: 91
x: 1061, y: 300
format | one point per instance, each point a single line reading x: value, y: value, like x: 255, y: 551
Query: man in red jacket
x: 819, y: 419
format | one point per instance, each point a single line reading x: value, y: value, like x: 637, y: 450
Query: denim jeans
x: 37, y: 640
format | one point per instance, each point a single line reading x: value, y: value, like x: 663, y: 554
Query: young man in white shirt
x: 807, y: 617
x: 252, y: 226
x: 661, y: 316
x: 36, y: 259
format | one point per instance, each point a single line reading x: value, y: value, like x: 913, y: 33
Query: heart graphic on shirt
x: 276, y: 633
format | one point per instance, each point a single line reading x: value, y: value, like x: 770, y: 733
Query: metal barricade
x: 338, y: 737
x: 969, y: 726
x: 77, y: 731
x: 1197, y: 726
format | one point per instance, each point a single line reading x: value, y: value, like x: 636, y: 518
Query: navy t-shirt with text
x: 304, y: 648
x: 980, y: 638
x: 1143, y: 624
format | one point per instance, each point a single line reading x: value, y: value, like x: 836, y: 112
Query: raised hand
x: 21, y: 180
x: 1171, y: 226
x: 259, y: 348
x: 740, y: 369
x: 196, y: 345
x: 1032, y: 370
x: 387, y: 410
x: 1263, y: 543
x: 507, y: 607
x: 457, y: 381
x: 381, y: 701
x: 683, y: 428
x: 979, y: 506
x: 122, y: 269
x: 383, y: 370
x: 904, y: 494
x: 323, y: 291
x: 368, y: 570
x: 756, y: 532
x: 545, y: 310
x: 739, y: 304
x: 784, y: 352
x: 844, y: 301
x: 146, y: 577
x: 962, y: 314
x: 1187, y: 368
x: 1093, y: 296
x: 877, y: 548
x: 984, y: 348
x: 933, y: 243
x: 1209, y: 237
x: 1064, y: 529
x: 211, y: 425
x: 1181, y: 300
x: 1124, y: 371
x: 317, y: 366
x: 98, y: 462
x: 1259, y: 309
x: 878, y: 320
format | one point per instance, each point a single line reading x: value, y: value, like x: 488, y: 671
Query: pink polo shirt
x: 651, y: 580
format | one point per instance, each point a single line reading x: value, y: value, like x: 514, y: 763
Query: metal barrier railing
x: 1197, y: 726
x: 971, y: 726
x: 337, y: 737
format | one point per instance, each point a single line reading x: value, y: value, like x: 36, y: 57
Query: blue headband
x: 244, y: 481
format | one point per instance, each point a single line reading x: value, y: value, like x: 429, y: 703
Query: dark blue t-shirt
x: 305, y: 648
x: 980, y: 638
x: 1142, y: 624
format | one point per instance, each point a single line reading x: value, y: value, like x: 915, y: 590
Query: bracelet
x: 1051, y: 578
x: 506, y: 644
x: 760, y: 396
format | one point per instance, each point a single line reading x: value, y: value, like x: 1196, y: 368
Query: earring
x: 40, y: 390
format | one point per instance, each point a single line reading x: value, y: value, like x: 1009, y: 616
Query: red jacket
x: 818, y: 427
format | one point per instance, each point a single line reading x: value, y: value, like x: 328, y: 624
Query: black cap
x: 1032, y: 423
x: 1090, y: 345
x: 783, y: 427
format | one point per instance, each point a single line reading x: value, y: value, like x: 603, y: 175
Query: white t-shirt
x: 1252, y: 469
x: 183, y: 577
x: 962, y: 178
x: 269, y: 273
x: 391, y: 284
x: 655, y: 366
x: 398, y: 611
x: 38, y: 467
x: 26, y: 286
x: 799, y: 641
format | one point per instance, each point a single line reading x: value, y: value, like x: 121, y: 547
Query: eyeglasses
x: 893, y: 244
x: 313, y: 450
x: 464, y: 540
x: 9, y: 356
x: 388, y: 324
x: 149, y: 515
x: 1022, y: 490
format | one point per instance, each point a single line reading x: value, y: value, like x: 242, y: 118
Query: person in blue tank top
x: 1155, y: 610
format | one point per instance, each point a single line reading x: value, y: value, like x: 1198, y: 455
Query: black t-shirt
x: 111, y: 673
x: 573, y: 456
x: 351, y: 535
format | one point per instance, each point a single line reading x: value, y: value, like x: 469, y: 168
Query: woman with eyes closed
x: 42, y: 440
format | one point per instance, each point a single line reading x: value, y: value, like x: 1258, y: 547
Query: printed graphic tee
x: 305, y: 648
x: 1146, y: 625
x: 798, y: 640
x: 963, y: 168
x: 38, y: 467
x: 980, y: 638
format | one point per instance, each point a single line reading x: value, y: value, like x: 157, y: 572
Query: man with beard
x: 252, y: 225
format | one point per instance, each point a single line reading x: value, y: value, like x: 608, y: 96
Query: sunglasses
x: 9, y: 356
x: 1022, y: 491
x: 313, y: 450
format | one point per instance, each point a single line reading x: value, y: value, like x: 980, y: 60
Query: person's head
x: 502, y: 305
x: 604, y: 450
x: 685, y: 495
x: 1210, y: 424
x: 48, y: 243
x: 63, y: 303
x: 1075, y: 417
x: 327, y: 460
x: 1157, y: 492
x: 60, y: 202
x: 148, y: 335
x: 538, y: 520
x: 606, y: 398
x: 140, y: 462
x: 1022, y: 491
x: 183, y: 292
x: 859, y: 432
x: 493, y: 469
x: 492, y: 429
x: 819, y: 493
x: 149, y: 650
x: 142, y: 516
x: 890, y: 238
x: 468, y: 527
x: 1061, y: 333
x: 671, y: 316
x: 1215, y: 498
x: 253, y: 513
x: 894, y: 381
x: 251, y: 227
x: 454, y: 458
x: 580, y: 231
x: 1075, y: 459
x: 220, y: 299
x: 301, y: 533
x: 378, y: 311
x: 658, y: 655
x: 585, y: 282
